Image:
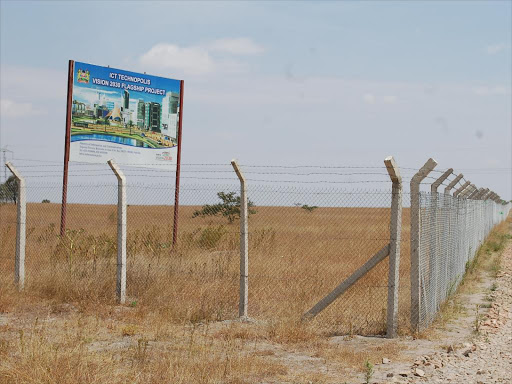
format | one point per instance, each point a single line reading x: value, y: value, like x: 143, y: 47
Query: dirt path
x: 467, y: 351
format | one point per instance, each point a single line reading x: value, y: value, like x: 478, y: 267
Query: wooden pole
x: 178, y: 169
x: 71, y: 68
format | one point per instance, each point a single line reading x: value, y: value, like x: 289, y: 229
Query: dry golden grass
x: 296, y: 257
x: 66, y: 328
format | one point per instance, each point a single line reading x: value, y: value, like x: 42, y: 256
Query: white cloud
x: 499, y: 90
x: 389, y: 99
x: 9, y: 108
x: 495, y: 48
x: 200, y: 59
x: 369, y: 98
x: 236, y: 46
x: 40, y: 84
x: 192, y: 60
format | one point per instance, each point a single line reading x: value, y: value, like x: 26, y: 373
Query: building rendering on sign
x: 169, y: 119
x: 141, y: 113
x: 152, y: 116
x: 149, y: 116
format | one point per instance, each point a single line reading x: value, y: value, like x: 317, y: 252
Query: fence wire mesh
x: 305, y: 238
x: 451, y: 231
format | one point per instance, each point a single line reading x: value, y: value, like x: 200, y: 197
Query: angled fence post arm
x: 21, y: 224
x: 395, y: 231
x: 481, y: 193
x: 452, y: 184
x: 415, y: 241
x: 460, y: 190
x: 244, y: 244
x: 469, y: 191
x: 121, y: 232
x: 475, y: 192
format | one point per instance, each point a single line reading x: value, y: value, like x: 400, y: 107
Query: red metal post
x: 71, y: 69
x: 178, y: 166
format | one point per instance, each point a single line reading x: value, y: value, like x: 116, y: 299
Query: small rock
x: 385, y: 361
x: 417, y: 362
x: 390, y: 374
x: 419, y: 372
x: 404, y: 374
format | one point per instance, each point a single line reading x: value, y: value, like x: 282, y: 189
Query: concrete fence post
x: 435, y: 232
x: 244, y: 244
x: 395, y: 231
x: 460, y: 190
x: 453, y: 183
x: 21, y: 224
x: 121, y: 232
x: 415, y: 242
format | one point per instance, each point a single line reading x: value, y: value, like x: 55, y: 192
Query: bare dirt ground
x: 474, y: 347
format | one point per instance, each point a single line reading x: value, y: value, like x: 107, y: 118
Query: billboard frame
x: 71, y: 69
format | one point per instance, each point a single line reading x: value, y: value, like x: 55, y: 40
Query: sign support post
x: 71, y: 69
x: 178, y: 170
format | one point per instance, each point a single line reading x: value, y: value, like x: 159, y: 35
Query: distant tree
x: 309, y: 208
x: 229, y: 207
x: 45, y: 201
x: 8, y: 190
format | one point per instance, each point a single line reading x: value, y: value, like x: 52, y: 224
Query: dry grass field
x: 189, y: 293
x: 296, y: 257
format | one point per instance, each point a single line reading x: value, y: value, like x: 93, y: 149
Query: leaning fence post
x: 121, y: 232
x: 21, y: 222
x: 415, y: 241
x: 395, y: 231
x: 244, y: 244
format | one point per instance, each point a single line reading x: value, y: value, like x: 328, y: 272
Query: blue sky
x: 336, y: 83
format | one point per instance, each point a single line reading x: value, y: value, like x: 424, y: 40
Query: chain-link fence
x: 305, y: 238
x: 451, y: 231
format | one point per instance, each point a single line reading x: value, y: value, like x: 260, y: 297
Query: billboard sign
x: 130, y: 117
